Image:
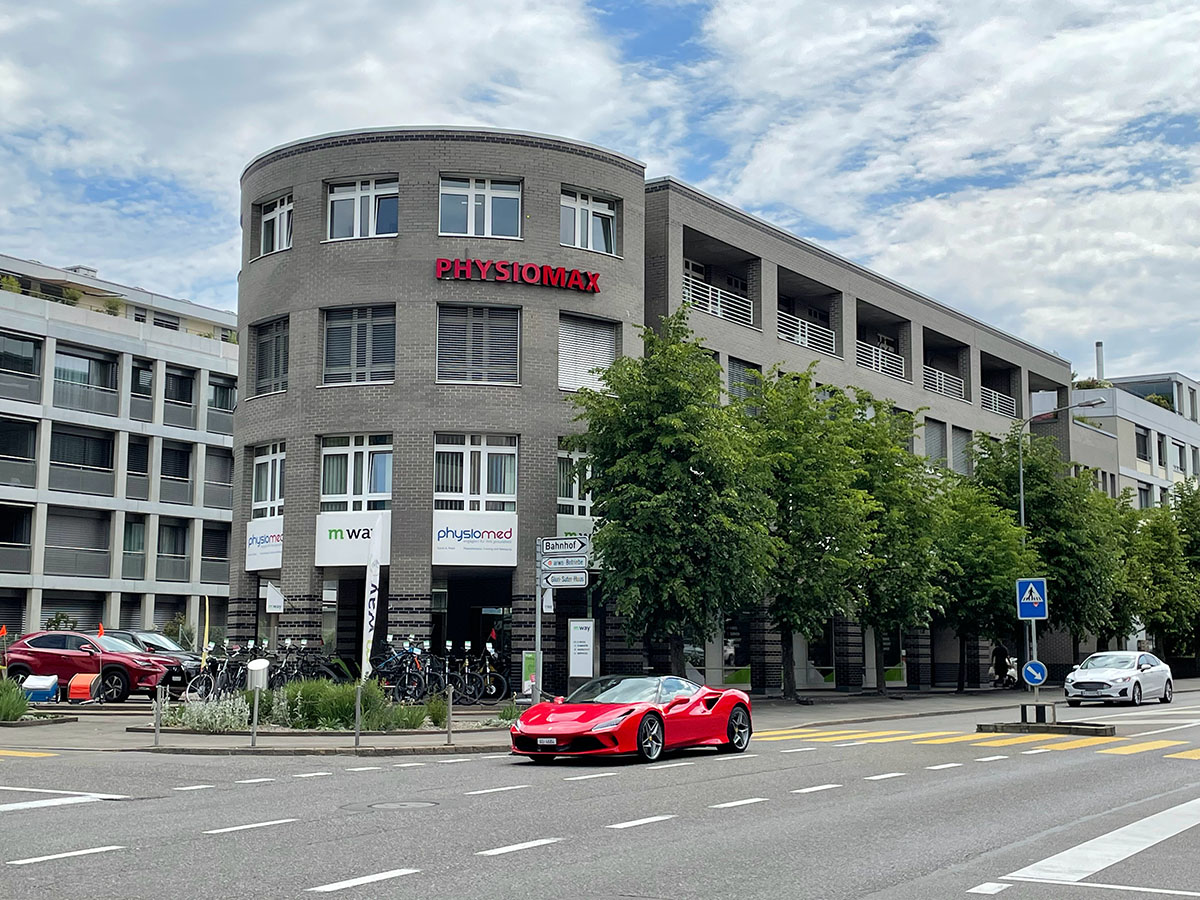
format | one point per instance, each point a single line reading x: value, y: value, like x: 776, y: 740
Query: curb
x: 301, y: 732
x: 29, y: 723
x: 1084, y: 728
x: 438, y: 749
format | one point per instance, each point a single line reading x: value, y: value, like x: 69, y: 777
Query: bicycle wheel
x: 199, y: 688
x: 467, y: 688
x: 409, y: 688
x: 495, y: 688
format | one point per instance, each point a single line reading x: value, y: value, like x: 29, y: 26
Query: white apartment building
x: 116, y: 464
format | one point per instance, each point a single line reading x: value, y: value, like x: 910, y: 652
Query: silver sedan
x: 1120, y: 676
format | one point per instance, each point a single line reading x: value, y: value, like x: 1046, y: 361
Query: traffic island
x: 1089, y: 729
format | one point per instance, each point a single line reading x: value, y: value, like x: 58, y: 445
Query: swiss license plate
x: 548, y: 742
x: 177, y: 678
x: 1091, y: 693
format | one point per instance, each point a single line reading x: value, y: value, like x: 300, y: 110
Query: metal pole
x: 357, y: 714
x: 158, y: 701
x: 1021, y: 491
x: 254, y: 721
x: 449, y: 715
x: 536, y: 693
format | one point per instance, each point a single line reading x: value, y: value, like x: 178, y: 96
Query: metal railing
x: 20, y: 386
x: 133, y: 565
x: 174, y: 567
x: 137, y: 486
x: 716, y: 302
x: 885, y: 361
x: 996, y: 402
x: 179, y: 414
x: 218, y: 495
x: 15, y: 558
x: 141, y: 407
x: 77, y: 561
x: 220, y: 421
x: 214, y: 570
x: 175, y: 490
x: 18, y: 470
x: 944, y: 383
x: 807, y: 334
x: 81, y: 479
x: 87, y: 397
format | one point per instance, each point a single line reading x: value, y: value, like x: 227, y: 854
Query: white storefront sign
x: 344, y: 538
x: 264, y: 544
x: 474, y: 538
x: 581, y: 648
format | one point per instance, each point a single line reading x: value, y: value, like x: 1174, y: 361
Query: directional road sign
x: 564, y: 546
x: 1034, y: 673
x: 565, y: 579
x: 1032, y: 602
x: 564, y: 563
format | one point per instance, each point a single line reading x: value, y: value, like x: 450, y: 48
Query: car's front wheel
x: 650, y: 738
x: 1135, y: 698
x: 1168, y: 693
x: 115, y: 686
x: 737, y: 732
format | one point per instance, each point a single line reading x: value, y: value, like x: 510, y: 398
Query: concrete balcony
x: 18, y: 471
x: 81, y: 479
x: 994, y: 401
x: 133, y: 565
x: 86, y: 397
x: 89, y: 561
x: 15, y: 558
x: 218, y: 495
x: 944, y: 383
x: 20, y: 386
x: 879, y: 360
x: 795, y: 330
x: 220, y: 421
x: 214, y: 570
x: 716, y: 302
x: 172, y: 567
x: 175, y: 490
x: 179, y: 414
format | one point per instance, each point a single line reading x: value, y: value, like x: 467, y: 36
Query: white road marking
x: 989, y: 887
x: 513, y: 848
x: 851, y: 744
x: 194, y: 787
x: 311, y: 774
x: 586, y: 777
x: 364, y: 769
x: 405, y: 765
x: 734, y: 803
x: 511, y: 787
x: 815, y: 788
x: 797, y: 749
x: 670, y: 765
x: 637, y: 822
x: 1090, y: 857
x: 1035, y: 752
x: 497, y: 756
x: 1165, y: 730
x: 252, y: 825
x: 38, y: 859
x: 990, y: 758
x: 25, y: 790
x: 50, y: 801
x: 254, y: 780
x: 448, y: 761
x: 943, y: 766
x: 883, y: 777
x: 735, y: 756
x: 366, y: 879
x: 1109, y: 887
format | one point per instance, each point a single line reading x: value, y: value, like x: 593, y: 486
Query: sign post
x: 1033, y: 606
x: 561, y: 562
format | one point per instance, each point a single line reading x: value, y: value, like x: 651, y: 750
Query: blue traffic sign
x: 1032, y: 602
x: 1034, y: 673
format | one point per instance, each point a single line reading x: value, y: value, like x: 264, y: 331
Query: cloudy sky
x: 1032, y: 163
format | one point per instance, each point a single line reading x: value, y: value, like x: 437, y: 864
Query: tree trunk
x: 1074, y: 648
x: 880, y: 667
x: 677, y: 661
x: 962, y: 664
x: 787, y: 653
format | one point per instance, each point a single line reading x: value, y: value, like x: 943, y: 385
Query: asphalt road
x: 903, y: 810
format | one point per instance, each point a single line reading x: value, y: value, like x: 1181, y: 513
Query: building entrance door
x: 478, y: 613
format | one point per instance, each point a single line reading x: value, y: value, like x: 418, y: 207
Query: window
x: 276, y: 225
x: 79, y: 367
x: 135, y: 534
x: 138, y: 460
x: 583, y: 346
x: 1180, y: 460
x: 1195, y: 461
x: 49, y: 642
x: 271, y: 357
x: 587, y: 222
x: 1164, y: 496
x: 1143, y: 493
x: 364, y: 208
x: 475, y: 471
x: 742, y: 376
x: 178, y: 385
x: 1142, y: 438
x: 222, y: 393
x: 166, y: 320
x: 19, y: 354
x: 80, y: 448
x: 935, y: 440
x: 218, y: 466
x: 1162, y: 451
x: 483, y: 207
x: 18, y: 438
x: 1192, y: 402
x: 360, y: 344
x: 142, y: 378
x: 356, y: 469
x: 176, y: 461
x: 572, y: 500
x: 173, y: 537
x: 137, y: 313
x: 478, y: 343
x: 268, y: 480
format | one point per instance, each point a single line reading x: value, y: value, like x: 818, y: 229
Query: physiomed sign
x: 344, y: 538
x: 474, y: 538
x: 516, y: 272
x: 264, y: 544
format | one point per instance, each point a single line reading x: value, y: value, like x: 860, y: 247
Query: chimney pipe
x: 1099, y: 360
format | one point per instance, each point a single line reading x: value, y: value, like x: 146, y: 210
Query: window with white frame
x: 475, y: 472
x: 585, y: 345
x: 268, y: 480
x: 356, y: 472
x: 366, y: 207
x: 275, y: 225
x: 587, y: 222
x: 479, y: 344
x: 742, y: 378
x: 360, y: 344
x: 482, y: 207
x: 573, y: 500
x: 270, y: 356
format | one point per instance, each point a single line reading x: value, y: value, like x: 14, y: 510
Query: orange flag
x: 101, y: 629
x: 3, y: 630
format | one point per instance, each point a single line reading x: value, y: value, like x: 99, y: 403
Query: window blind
x: 584, y: 345
x: 478, y: 343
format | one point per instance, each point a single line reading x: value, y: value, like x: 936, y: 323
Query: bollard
x: 158, y: 704
x: 254, y: 721
x: 449, y: 715
x: 357, y: 715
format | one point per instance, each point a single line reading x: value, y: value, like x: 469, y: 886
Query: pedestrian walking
x: 999, y: 663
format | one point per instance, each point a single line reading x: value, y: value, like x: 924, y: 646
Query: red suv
x: 65, y: 653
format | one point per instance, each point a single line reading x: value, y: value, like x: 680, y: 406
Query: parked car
x: 182, y: 665
x: 1126, y: 676
x: 126, y: 669
x: 634, y: 714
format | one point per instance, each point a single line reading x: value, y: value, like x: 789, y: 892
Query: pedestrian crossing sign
x: 1032, y: 602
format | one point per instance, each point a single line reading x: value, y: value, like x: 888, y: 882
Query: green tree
x: 1186, y: 506
x: 821, y: 519
x: 679, y: 490
x: 1162, y: 580
x: 981, y: 555
x: 898, y: 588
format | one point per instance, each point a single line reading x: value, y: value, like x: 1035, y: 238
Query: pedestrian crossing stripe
x: 1184, y: 754
x: 1083, y: 742
x: 1009, y: 741
x: 958, y: 739
x: 28, y: 754
x: 1130, y: 749
x: 909, y: 737
x: 842, y: 735
x: 805, y: 729
x: 856, y: 737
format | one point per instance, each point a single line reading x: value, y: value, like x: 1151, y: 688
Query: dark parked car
x: 182, y: 665
x: 122, y: 667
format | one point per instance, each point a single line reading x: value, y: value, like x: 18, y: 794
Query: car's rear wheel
x: 650, y: 738
x: 737, y: 732
x: 1135, y: 698
x: 1072, y: 703
x: 114, y: 685
x: 1168, y: 692
x: 18, y: 673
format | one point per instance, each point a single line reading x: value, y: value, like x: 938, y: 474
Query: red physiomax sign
x: 517, y: 272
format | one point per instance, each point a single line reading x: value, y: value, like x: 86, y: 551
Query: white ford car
x: 1120, y: 676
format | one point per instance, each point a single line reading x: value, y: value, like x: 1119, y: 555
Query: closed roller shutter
x: 166, y: 608
x: 12, y: 613
x: 478, y: 343
x: 131, y: 612
x: 67, y: 528
x: 961, y: 451
x: 87, y: 611
x: 935, y: 440
x: 584, y: 345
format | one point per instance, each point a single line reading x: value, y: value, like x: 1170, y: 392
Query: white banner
x: 371, y: 596
x: 474, y: 538
x: 275, y: 599
x: 344, y: 538
x: 264, y: 544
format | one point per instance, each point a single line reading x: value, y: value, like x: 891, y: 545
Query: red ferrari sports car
x: 642, y: 714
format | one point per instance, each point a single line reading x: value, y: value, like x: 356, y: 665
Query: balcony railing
x: 716, y: 302
x: 77, y: 561
x: 220, y: 421
x: 141, y: 407
x: 214, y: 570
x: 218, y: 495
x: 880, y: 360
x: 996, y: 402
x: 133, y: 565
x: 137, y: 486
x: 88, y: 397
x: 178, y: 413
x: 20, y: 386
x: 175, y: 490
x: 806, y: 334
x: 15, y: 558
x: 81, y: 479
x: 944, y: 383
x: 173, y: 567
x: 18, y: 470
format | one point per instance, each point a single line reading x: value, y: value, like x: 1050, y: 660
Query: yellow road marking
x: 909, y: 737
x: 1019, y: 739
x: 860, y: 736
x: 804, y: 737
x: 1185, y: 754
x: 1129, y: 749
x: 955, y: 740
x: 797, y: 730
x: 1084, y: 742
x: 25, y: 753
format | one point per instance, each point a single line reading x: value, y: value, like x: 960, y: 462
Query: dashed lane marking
x: 513, y: 848
x: 944, y: 766
x: 735, y: 756
x: 1130, y: 749
x: 670, y: 765
x: 311, y: 774
x: 364, y: 768
x: 733, y: 803
x: 884, y: 776
x: 909, y: 737
x: 636, y: 822
x: 194, y: 787
x: 254, y: 781
x: 593, y: 775
x: 815, y: 788
x: 406, y: 765
x: 990, y: 758
x: 511, y: 787
x: 446, y: 762
x: 989, y: 887
x: 1035, y: 752
x: 366, y: 879
x: 38, y: 859
x: 250, y: 826
x: 1083, y: 742
x: 851, y: 744
x: 797, y: 749
x: 497, y: 756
